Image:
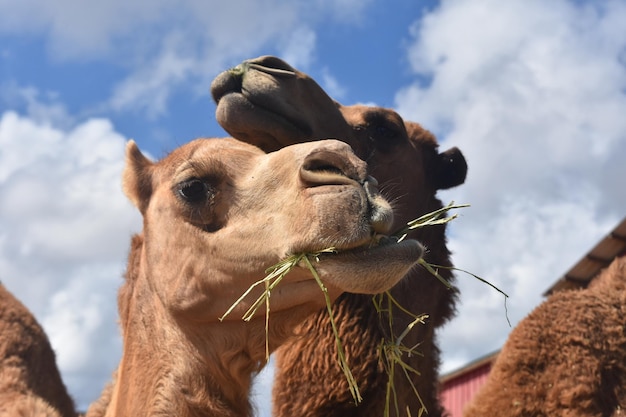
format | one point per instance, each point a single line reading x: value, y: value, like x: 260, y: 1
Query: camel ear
x: 137, y: 177
x: 451, y: 170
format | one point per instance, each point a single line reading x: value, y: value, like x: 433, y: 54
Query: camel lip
x: 246, y: 99
x: 369, y: 269
x: 376, y: 248
x: 378, y: 242
x: 231, y: 96
x: 264, y: 103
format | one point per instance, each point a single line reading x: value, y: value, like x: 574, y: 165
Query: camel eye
x: 384, y: 131
x: 193, y: 191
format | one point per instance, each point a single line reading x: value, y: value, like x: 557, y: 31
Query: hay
x: 391, y: 352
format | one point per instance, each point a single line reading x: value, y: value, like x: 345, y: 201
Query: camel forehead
x: 361, y: 114
x: 203, y: 155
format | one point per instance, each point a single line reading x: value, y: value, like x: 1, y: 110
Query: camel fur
x: 217, y: 213
x: 566, y: 358
x: 270, y: 104
x: 30, y: 383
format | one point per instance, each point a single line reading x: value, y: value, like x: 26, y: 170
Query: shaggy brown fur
x: 270, y: 104
x: 567, y: 358
x: 217, y: 213
x: 30, y: 384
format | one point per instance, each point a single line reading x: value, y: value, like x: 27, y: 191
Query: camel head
x: 268, y: 103
x: 217, y: 213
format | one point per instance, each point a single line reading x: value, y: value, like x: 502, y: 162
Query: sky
x: 532, y: 92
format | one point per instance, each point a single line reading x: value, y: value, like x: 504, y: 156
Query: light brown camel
x: 566, y: 358
x: 268, y: 103
x: 30, y: 384
x: 217, y: 213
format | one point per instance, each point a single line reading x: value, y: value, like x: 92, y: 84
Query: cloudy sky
x: 533, y: 92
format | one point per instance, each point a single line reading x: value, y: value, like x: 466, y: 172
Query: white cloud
x: 65, y: 233
x: 149, y: 88
x: 332, y: 86
x: 299, y: 47
x: 42, y: 107
x: 522, y: 251
x: 81, y: 29
x: 534, y: 94
x: 351, y: 11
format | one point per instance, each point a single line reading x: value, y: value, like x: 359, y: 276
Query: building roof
x: 476, y: 363
x: 598, y: 258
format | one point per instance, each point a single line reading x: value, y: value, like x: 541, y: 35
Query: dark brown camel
x: 268, y: 103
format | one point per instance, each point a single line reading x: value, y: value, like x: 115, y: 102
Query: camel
x: 217, y: 213
x: 30, y: 383
x: 268, y: 103
x: 566, y: 358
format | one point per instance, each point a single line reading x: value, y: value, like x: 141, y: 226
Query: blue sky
x: 533, y: 92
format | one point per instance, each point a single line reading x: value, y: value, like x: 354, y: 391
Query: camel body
x: 30, y: 383
x: 566, y: 358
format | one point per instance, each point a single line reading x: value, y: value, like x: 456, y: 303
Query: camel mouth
x: 249, y: 103
x: 372, y: 268
x: 377, y: 247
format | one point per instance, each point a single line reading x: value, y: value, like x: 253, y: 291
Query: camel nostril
x: 271, y: 65
x: 327, y: 168
x: 372, y: 181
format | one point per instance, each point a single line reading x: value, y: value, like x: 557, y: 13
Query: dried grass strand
x: 391, y: 352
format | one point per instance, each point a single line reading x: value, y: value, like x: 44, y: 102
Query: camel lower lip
x: 258, y: 102
x: 236, y: 110
x: 390, y: 262
x: 387, y: 247
x: 239, y: 97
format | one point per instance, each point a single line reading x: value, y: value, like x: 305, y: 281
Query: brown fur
x: 270, y: 104
x: 30, y: 383
x: 567, y: 358
x: 217, y: 213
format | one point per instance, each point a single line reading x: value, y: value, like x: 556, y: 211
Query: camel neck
x: 168, y: 369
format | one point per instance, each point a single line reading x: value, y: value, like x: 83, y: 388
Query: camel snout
x: 381, y: 212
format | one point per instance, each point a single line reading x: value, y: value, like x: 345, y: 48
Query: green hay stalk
x: 341, y: 355
x: 275, y: 274
x: 392, y: 351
